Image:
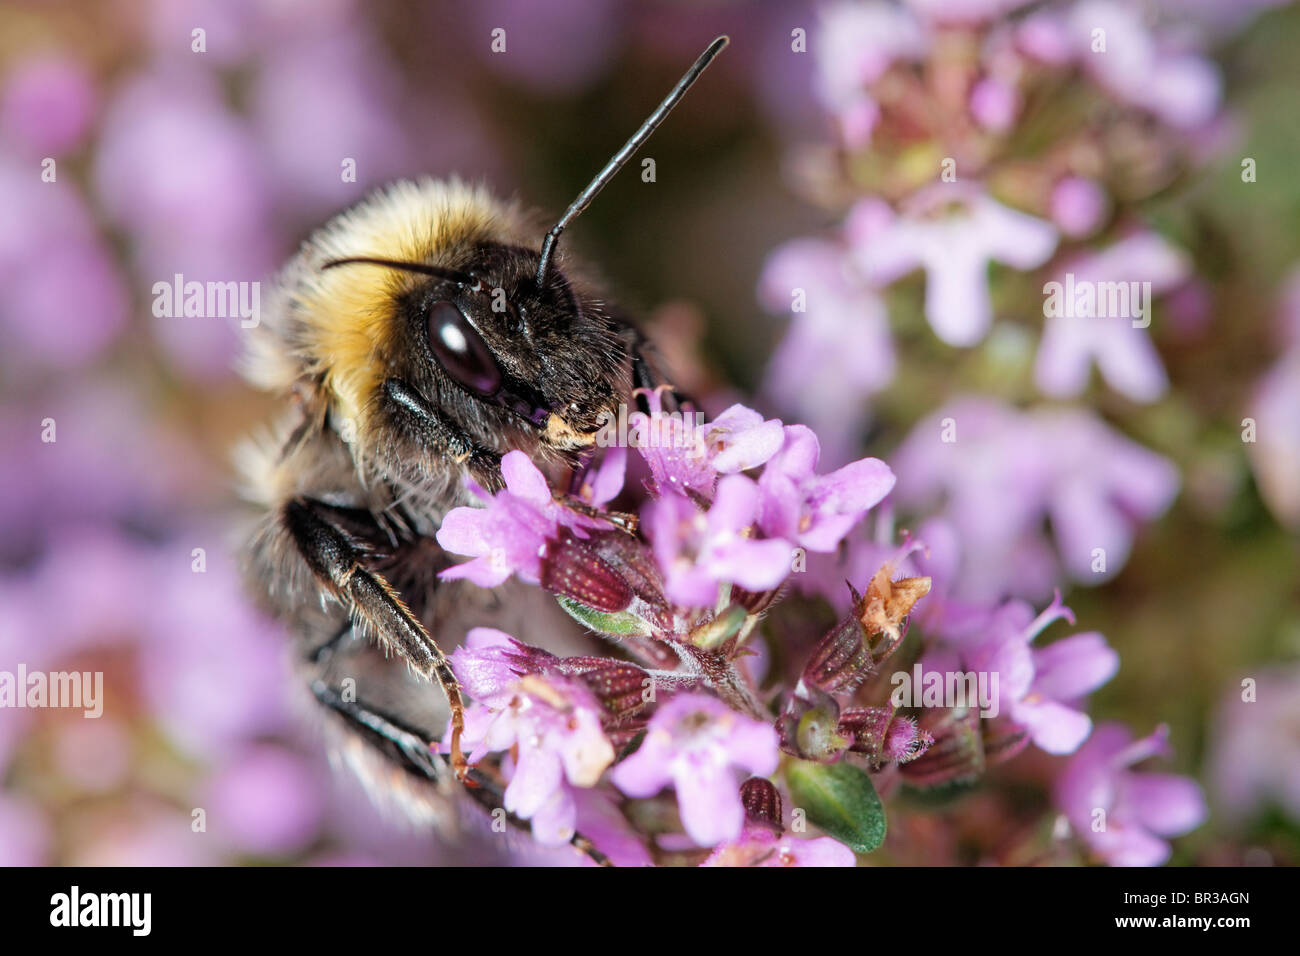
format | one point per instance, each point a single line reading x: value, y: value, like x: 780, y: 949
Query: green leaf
x: 840, y: 799
x: 618, y: 624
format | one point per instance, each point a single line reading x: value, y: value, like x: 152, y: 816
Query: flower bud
x: 905, y: 741
x: 963, y: 747
x: 575, y: 569
x: 884, y: 735
x: 817, y: 738
x: 619, y: 686
x: 844, y: 658
x: 808, y: 726
x: 635, y: 564
x: 841, y: 659
x: 762, y: 803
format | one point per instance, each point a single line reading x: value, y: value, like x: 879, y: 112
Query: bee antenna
x: 623, y: 155
x: 451, y: 275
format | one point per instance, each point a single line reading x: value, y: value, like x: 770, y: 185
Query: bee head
x: 446, y: 333
x: 495, y: 355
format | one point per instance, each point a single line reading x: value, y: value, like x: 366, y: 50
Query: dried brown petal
x: 888, y: 602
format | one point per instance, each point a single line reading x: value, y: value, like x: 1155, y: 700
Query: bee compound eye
x: 460, y: 350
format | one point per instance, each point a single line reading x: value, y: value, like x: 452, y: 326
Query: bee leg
x: 416, y: 755
x: 424, y: 424
x: 373, y: 605
x: 646, y: 376
x: 400, y: 744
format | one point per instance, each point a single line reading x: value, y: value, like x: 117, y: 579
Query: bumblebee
x: 419, y: 337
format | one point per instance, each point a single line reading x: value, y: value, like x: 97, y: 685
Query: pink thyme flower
x: 963, y: 11
x: 490, y: 663
x: 740, y: 439
x: 1121, y: 813
x: 1065, y: 672
x: 48, y: 105
x: 1118, y: 343
x: 997, y: 473
x: 1275, y: 453
x: 839, y: 326
x: 1038, y: 688
x: 699, y: 550
x: 995, y: 104
x: 1255, y: 747
x: 683, y: 455
x: 25, y: 834
x: 941, y: 613
x: 1102, y: 487
x: 54, y: 263
x: 976, y: 460
x: 859, y: 42
x: 814, y: 510
x: 760, y: 846
x: 953, y: 233
x: 1136, y: 65
x: 555, y: 721
x: 601, y: 820
x: 1077, y: 206
x: 509, y: 535
x: 1275, y: 407
x: 603, y: 480
x: 697, y: 743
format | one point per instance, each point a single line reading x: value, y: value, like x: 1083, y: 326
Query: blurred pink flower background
x: 214, y: 164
